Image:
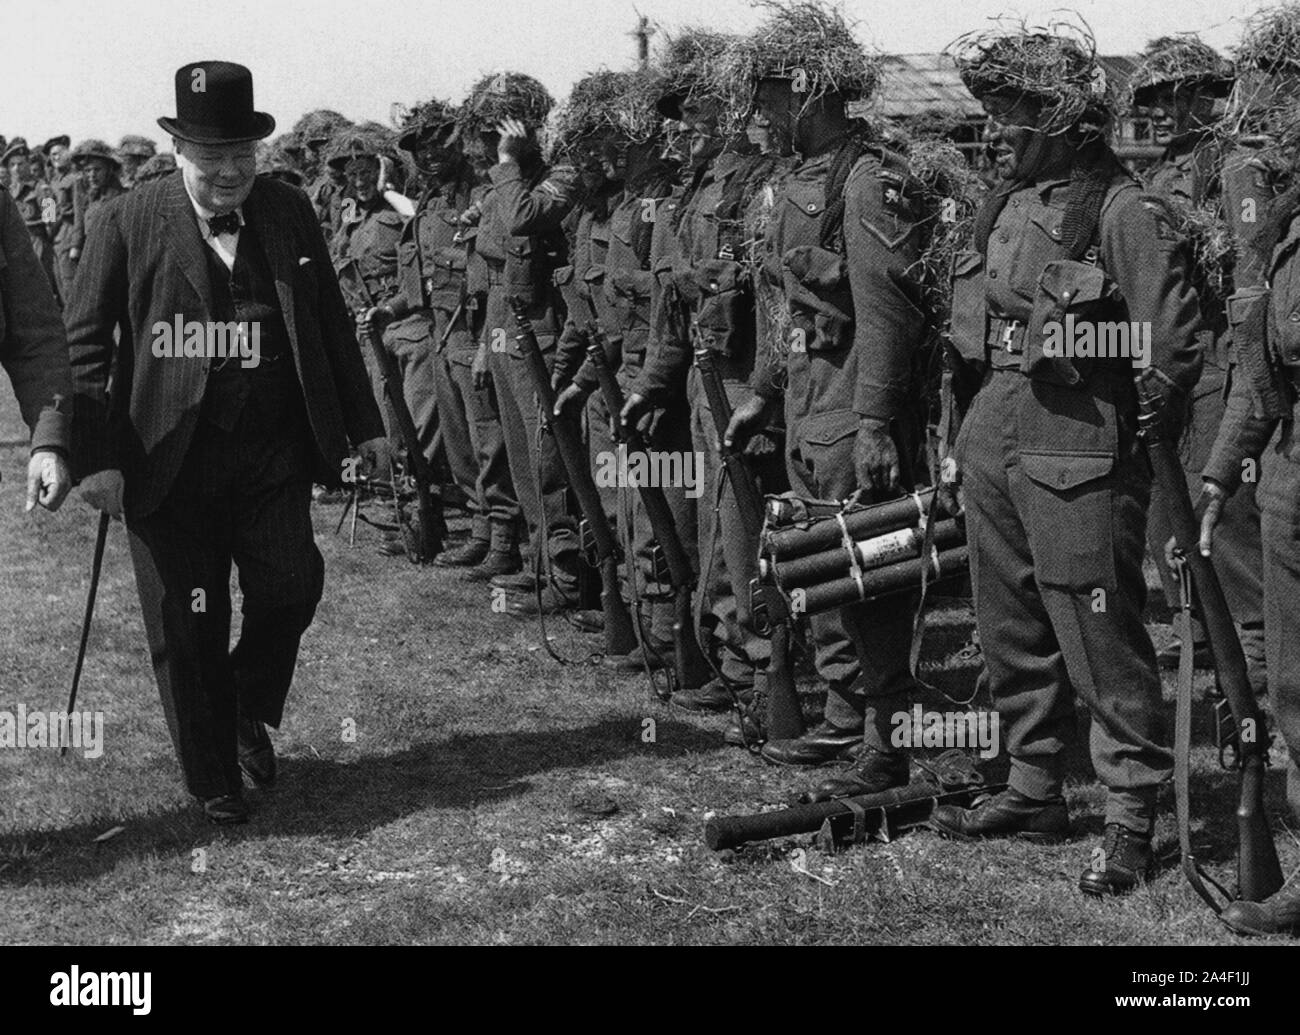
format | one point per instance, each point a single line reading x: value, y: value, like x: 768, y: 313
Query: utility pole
x: 642, y: 34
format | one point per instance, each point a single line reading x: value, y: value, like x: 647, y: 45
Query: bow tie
x: 227, y: 224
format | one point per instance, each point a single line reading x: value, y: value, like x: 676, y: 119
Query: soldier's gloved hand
x: 1213, y: 497
x: 513, y: 141
x: 875, y: 457
x: 747, y: 420
x: 48, y: 480
x: 479, y: 368
x: 377, y: 457
x: 103, y: 491
x: 569, y: 402
x: 470, y: 216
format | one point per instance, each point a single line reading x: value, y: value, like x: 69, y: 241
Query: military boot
x: 1009, y: 814
x: 1277, y: 914
x: 656, y: 657
x: 872, y: 772
x: 502, y: 557
x: 469, y: 554
x: 821, y: 745
x: 1123, y: 863
x: 713, y: 696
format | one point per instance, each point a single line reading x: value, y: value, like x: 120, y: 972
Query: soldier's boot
x: 749, y: 730
x: 553, y: 601
x: 1124, y: 862
x: 1277, y: 914
x: 469, y: 554
x: 872, y: 772
x: 713, y: 696
x: 1008, y: 814
x: 502, y: 558
x: 656, y: 656
x: 821, y: 745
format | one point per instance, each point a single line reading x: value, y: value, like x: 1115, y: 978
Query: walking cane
x: 96, y: 566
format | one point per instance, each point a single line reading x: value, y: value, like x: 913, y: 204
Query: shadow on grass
x: 327, y: 798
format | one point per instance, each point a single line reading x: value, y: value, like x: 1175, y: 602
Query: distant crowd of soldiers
x: 726, y: 209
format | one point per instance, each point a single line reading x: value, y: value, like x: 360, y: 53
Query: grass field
x: 461, y: 811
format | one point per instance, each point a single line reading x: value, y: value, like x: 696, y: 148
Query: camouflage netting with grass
x: 692, y: 66
x: 505, y: 95
x: 1183, y: 61
x: 1054, y: 65
x: 617, y: 103
x: 369, y: 138
x: 810, y: 44
x: 321, y: 124
x: 1264, y: 100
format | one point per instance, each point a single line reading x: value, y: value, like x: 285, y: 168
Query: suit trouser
x: 1039, y: 557
x: 241, y: 495
x: 727, y: 556
x: 860, y: 651
x: 1238, y: 554
x: 1279, y: 499
x: 530, y: 454
x: 476, y: 448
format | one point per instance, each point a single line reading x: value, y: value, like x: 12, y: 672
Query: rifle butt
x: 1259, y: 874
x: 690, y: 665
x: 784, y: 714
x: 620, y: 636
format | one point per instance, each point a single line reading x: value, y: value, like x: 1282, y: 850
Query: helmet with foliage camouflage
x: 133, y: 146
x: 319, y: 127
x: 810, y: 44
x: 279, y: 164
x: 618, y: 104
x: 155, y: 168
x: 691, y: 67
x: 505, y: 95
x: 368, y: 140
x: 425, y: 120
x: 1182, y: 61
x: 1055, y: 66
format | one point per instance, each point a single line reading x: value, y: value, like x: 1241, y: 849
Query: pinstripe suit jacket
x: 145, y: 262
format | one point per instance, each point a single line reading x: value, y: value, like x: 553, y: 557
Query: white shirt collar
x: 205, y: 214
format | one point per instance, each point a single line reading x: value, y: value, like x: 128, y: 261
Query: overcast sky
x: 105, y: 68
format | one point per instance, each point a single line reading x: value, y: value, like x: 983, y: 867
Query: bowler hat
x: 214, y: 105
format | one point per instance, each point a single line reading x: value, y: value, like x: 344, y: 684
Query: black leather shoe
x: 655, y: 658
x: 515, y: 582
x: 467, y: 555
x: 1008, y: 814
x: 1277, y: 914
x: 821, y: 745
x: 1123, y: 863
x: 256, y: 753
x: 872, y: 772
x: 1170, y: 657
x: 712, y: 697
x: 227, y: 810
x: 588, y: 621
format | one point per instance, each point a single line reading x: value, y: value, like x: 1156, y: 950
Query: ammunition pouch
x: 720, y: 291
x: 821, y: 301
x: 969, y: 306
x: 445, y: 278
x: 1065, y: 288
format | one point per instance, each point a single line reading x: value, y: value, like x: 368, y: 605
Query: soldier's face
x: 435, y: 160
x: 19, y: 169
x: 97, y: 172
x: 1174, y: 111
x: 1009, y: 131
x: 219, y: 176
x: 481, y: 150
x: 775, y: 104
x: 362, y: 178
x: 59, y: 157
x: 702, y: 120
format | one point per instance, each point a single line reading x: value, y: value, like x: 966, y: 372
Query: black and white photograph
x: 651, y: 473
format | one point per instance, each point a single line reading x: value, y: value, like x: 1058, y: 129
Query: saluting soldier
x: 1055, y: 480
x: 520, y: 243
x: 847, y: 225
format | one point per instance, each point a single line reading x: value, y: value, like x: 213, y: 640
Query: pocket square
x: 304, y: 260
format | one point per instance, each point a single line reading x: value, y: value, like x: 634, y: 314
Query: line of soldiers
x: 723, y: 213
x: 725, y: 204
x: 58, y: 187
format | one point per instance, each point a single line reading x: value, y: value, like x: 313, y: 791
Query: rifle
x: 690, y: 667
x: 620, y: 637
x: 1258, y: 873
x: 784, y: 716
x: 433, y: 525
x: 854, y: 819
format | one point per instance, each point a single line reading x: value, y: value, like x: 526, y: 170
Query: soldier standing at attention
x: 65, y: 184
x: 1056, y: 484
x: 847, y: 225
x: 99, y: 168
x: 36, y: 203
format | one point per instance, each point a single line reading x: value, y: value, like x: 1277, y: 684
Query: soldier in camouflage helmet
x: 518, y: 246
x: 37, y: 204
x: 134, y: 151
x: 1056, y: 484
